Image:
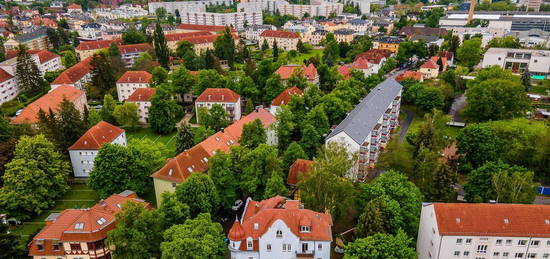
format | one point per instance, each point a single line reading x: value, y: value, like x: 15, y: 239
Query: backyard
x: 168, y: 140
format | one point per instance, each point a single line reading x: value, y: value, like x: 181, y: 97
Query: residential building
x: 285, y: 40
x: 51, y: 101
x: 309, y: 72
x: 195, y: 160
x: 237, y: 19
x: 213, y: 29
x: 284, y: 98
x: 253, y: 32
x: 45, y: 60
x: 367, y: 129
x: 184, y: 6
x: 344, y: 35
x: 477, y: 230
x: 532, y: 38
x: 90, y: 31
x: 345, y: 71
x: 359, y: 26
x: 81, y: 233
x: 88, y: 48
x: 130, y: 82
x: 316, y: 37
x: 486, y: 33
x: 428, y: 40
x: 375, y: 59
x: 201, y: 41
x: 172, y: 39
x: 76, y: 76
x: 225, y: 97
x: 409, y: 32
x: 37, y: 39
x: 298, y: 171
x: 280, y: 228
x: 519, y: 60
x: 125, y: 11
x: 85, y: 149
x: 390, y: 43
x: 410, y: 75
x: 130, y: 52
x: 142, y: 98
x: 74, y: 8
x: 316, y: 8
x: 533, y: 5
x: 430, y: 69
x: 509, y: 20
x: 8, y: 86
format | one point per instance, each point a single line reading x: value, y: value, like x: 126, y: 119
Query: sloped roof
x: 344, y: 71
x: 285, y: 71
x: 409, y: 74
x: 51, y: 100
x: 185, y: 35
x: 279, y: 34
x: 135, y: 77
x: 142, y: 95
x: 132, y: 48
x: 430, y: 64
x: 99, y: 134
x: 97, y: 44
x: 299, y: 167
x: 5, y: 76
x: 218, y: 95
x: 411, y: 31
x: 43, y: 55
x: 74, y: 73
x: 285, y: 96
x: 483, y: 219
x: 74, y: 6
x: 360, y: 122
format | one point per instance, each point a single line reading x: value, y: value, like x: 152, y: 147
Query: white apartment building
x: 185, y: 6
x: 487, y: 231
x: 84, y: 150
x: 229, y: 100
x: 285, y: 40
x: 237, y: 19
x: 75, y: 76
x: 368, y: 127
x: 253, y: 32
x: 282, y: 229
x: 8, y: 86
x: 91, y: 31
x: 126, y: 11
x: 359, y: 26
x: 519, y: 60
x: 142, y: 98
x: 130, y: 81
x: 129, y: 53
x: 317, y: 8
x: 45, y: 61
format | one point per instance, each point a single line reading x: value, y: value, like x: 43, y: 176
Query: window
x: 522, y: 242
x: 457, y: 253
x: 288, y: 247
x: 482, y: 249
x: 468, y: 241
x: 459, y: 241
x: 496, y: 254
x: 249, y: 244
x: 174, y: 185
x: 532, y: 255
x: 545, y: 255
x: 499, y: 242
x: 304, y: 228
x: 505, y: 254
x: 535, y: 242
x: 466, y: 253
x: 279, y: 234
x: 55, y: 246
x: 40, y: 245
x: 79, y: 226
x: 319, y: 247
x: 268, y: 247
x: 75, y: 246
x: 284, y: 247
x: 518, y: 255
x: 508, y: 242
x: 101, y: 221
x: 305, y: 247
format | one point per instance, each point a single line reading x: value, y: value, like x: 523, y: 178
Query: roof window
x: 79, y: 226
x: 101, y: 221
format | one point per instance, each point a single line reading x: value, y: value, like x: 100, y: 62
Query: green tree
x: 164, y: 111
x: 27, y: 73
x: 285, y: 127
x: 496, y: 99
x: 10, y: 244
x: 144, y: 62
x: 108, y: 109
x: 300, y: 46
x: 133, y: 36
x: 221, y: 170
x: 200, y: 193
x: 63, y: 128
x: 265, y: 45
x: 478, y: 144
x: 138, y: 233
x: 181, y: 80
x: 68, y: 58
x: 378, y: 217
x: 332, y: 50
x: 161, y: 46
x: 34, y: 179
x: 328, y: 77
x: 275, y: 50
x: 201, y: 133
x: 196, y: 238
x: 6, y: 130
x: 275, y: 186
x: 103, y: 77
x: 293, y: 151
x: 469, y: 53
x: 127, y: 115
x: 224, y: 47
x: 208, y: 79
x: 159, y: 76
x: 430, y: 98
x: 273, y: 87
x: 381, y: 246
x: 214, y: 118
x: 173, y: 211
x: 257, y: 167
x: 184, y: 138
x: 249, y: 107
x: 510, y: 42
x: 253, y: 134
x: 311, y: 139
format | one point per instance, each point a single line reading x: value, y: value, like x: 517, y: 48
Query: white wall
x: 83, y: 160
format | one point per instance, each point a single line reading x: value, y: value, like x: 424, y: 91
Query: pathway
x: 405, y: 124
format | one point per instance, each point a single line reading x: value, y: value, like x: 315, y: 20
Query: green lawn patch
x: 304, y: 56
x: 168, y: 140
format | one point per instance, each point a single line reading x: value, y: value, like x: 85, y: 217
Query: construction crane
x: 471, y: 12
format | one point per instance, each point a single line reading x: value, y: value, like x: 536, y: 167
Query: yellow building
x: 285, y: 40
x: 344, y: 35
x: 387, y: 42
x: 37, y: 40
x: 88, y: 48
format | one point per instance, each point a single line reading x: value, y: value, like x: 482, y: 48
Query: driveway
x: 405, y: 124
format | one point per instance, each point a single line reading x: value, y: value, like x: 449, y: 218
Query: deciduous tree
x: 199, y: 192
x: 127, y: 115
x: 164, y: 111
x: 275, y: 186
x: 381, y: 246
x: 253, y: 134
x: 496, y: 99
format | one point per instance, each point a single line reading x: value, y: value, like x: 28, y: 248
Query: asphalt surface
x: 405, y: 124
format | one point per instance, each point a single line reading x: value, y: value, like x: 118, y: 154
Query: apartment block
x: 225, y: 97
x: 519, y: 60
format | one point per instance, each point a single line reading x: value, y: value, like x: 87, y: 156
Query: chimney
x: 223, y: 130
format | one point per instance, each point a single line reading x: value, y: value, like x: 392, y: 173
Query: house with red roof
x: 212, y: 29
x: 81, y: 233
x: 45, y: 61
x: 76, y: 76
x: 142, y: 98
x: 374, y: 59
x: 51, y: 102
x: 200, y: 40
x: 84, y: 150
x: 74, y: 8
x: 195, y: 160
x: 225, y: 97
x: 280, y: 228
x: 308, y: 72
x: 284, y: 98
x: 129, y: 52
x: 130, y: 81
x: 8, y: 86
x: 87, y: 48
x: 298, y: 171
x: 483, y: 230
x: 430, y: 69
x: 410, y: 75
x: 285, y: 40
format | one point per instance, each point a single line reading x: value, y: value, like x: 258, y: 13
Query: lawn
x: 541, y: 87
x: 299, y: 59
x: 168, y: 140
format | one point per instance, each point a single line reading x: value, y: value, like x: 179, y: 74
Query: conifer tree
x: 275, y: 50
x: 103, y: 77
x: 265, y: 45
x: 28, y: 76
x: 161, y: 47
x: 184, y: 138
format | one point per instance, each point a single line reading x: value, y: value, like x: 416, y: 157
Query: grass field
x: 168, y: 140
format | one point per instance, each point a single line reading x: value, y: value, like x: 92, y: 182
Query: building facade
x: 130, y: 81
x: 309, y: 72
x: 84, y: 150
x: 142, y: 98
x: 387, y: 42
x: 225, y: 97
x: 76, y: 76
x: 367, y: 129
x: 88, y: 48
x: 280, y: 228
x: 466, y: 230
x: 283, y: 99
x: 253, y: 32
x: 8, y: 86
x: 285, y: 40
x: 129, y: 53
x: 519, y: 60
x: 37, y: 39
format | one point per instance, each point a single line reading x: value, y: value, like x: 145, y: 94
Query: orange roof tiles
x: 218, y: 95
x: 132, y: 48
x: 195, y: 159
x: 266, y: 212
x: 360, y: 63
x: 99, y: 134
x: 279, y: 34
x: 74, y: 6
x: 443, y: 61
x: 197, y: 27
x: 5, y: 76
x: 285, y: 96
x: 409, y: 74
x: 97, y: 44
x: 344, y: 71
x: 299, y: 167
x: 309, y: 72
x: 430, y: 64
x: 74, y: 73
x: 142, y: 95
x: 49, y: 101
x: 43, y: 55
x: 511, y: 220
x: 374, y: 56
x: 135, y: 77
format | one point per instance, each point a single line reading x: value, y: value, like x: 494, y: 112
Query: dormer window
x: 79, y: 226
x: 249, y: 244
x: 40, y: 245
x: 279, y: 233
x: 305, y: 228
x: 101, y: 221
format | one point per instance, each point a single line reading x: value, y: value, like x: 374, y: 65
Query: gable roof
x: 411, y: 31
x: 483, y: 219
x: 43, y: 55
x: 360, y: 122
x: 344, y: 71
x: 51, y: 100
x: 185, y: 35
x: 142, y: 95
x: 409, y: 74
x: 218, y: 95
x: 279, y: 34
x: 135, y: 77
x: 132, y: 48
x: 430, y: 64
x: 285, y: 96
x: 4, y: 75
x: 299, y: 167
x: 74, y: 73
x: 97, y: 44
x: 99, y: 134
x: 285, y: 71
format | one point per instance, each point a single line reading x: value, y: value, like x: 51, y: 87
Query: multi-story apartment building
x: 130, y: 81
x: 316, y: 8
x: 280, y: 228
x: 90, y: 31
x: 387, y: 42
x: 462, y: 230
x: 45, y: 61
x: 519, y: 60
x: 81, y: 233
x: 229, y: 100
x: 316, y: 37
x: 184, y: 6
x: 344, y: 35
x: 359, y: 26
x: 285, y: 40
x: 142, y: 98
x: 237, y: 19
x: 129, y: 53
x: 51, y: 102
x: 201, y: 40
x: 8, y: 86
x: 172, y: 39
x: 213, y: 29
x: 308, y: 72
x: 87, y: 48
x: 284, y: 98
x: 367, y: 129
x: 84, y: 150
x: 76, y: 76
x: 195, y: 160
x: 74, y: 8
x: 253, y: 32
x: 37, y: 39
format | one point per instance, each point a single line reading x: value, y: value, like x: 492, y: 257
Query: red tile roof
x: 74, y: 6
x: 344, y: 71
x: 5, y: 76
x: 142, y: 95
x: 218, y: 95
x: 51, y: 100
x: 195, y: 159
x: 430, y: 64
x: 266, y: 212
x: 279, y: 34
x: 299, y: 167
x: 74, y: 73
x: 132, y: 48
x: 360, y: 63
x: 196, y: 27
x: 443, y: 61
x: 409, y: 74
x: 185, y: 35
x: 285, y: 96
x: 43, y: 55
x: 136, y: 77
x: 374, y: 56
x: 97, y: 44
x: 510, y: 220
x: 309, y: 72
x: 99, y: 134
x: 44, y: 22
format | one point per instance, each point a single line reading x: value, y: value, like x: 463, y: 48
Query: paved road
x: 405, y: 124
